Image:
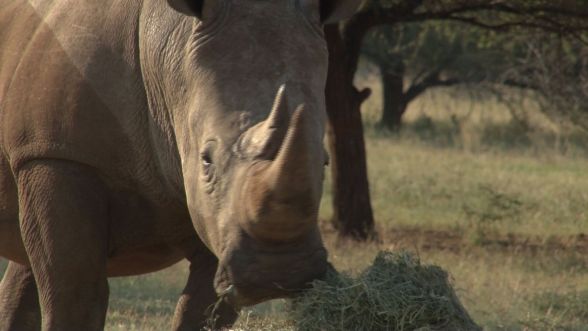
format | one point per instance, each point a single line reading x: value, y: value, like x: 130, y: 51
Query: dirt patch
x: 455, y: 241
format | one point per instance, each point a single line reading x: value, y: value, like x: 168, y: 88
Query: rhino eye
x: 207, y: 166
x: 206, y: 160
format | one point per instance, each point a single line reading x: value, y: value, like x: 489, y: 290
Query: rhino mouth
x: 249, y: 279
x: 242, y: 296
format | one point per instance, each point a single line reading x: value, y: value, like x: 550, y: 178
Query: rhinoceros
x: 137, y: 133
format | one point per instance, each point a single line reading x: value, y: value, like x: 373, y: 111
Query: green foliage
x: 530, y: 45
x: 557, y: 69
x: 458, y: 51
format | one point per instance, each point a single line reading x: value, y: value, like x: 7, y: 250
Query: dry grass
x: 396, y: 292
x: 502, y: 289
x: 145, y: 303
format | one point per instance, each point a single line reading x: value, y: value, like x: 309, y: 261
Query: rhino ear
x: 333, y: 11
x: 188, y: 7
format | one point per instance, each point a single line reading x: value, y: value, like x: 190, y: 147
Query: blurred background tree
x: 416, y: 57
x: 422, y: 44
x: 555, y: 68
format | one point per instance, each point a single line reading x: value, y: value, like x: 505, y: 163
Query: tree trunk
x: 394, y: 105
x: 352, y: 210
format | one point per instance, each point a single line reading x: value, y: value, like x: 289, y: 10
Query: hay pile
x: 396, y: 293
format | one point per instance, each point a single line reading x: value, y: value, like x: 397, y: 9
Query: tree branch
x: 432, y: 80
x: 570, y: 19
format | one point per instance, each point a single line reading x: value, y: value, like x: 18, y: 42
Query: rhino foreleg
x: 195, y: 308
x: 64, y: 224
x: 19, y: 303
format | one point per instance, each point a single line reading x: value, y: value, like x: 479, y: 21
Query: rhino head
x: 247, y: 101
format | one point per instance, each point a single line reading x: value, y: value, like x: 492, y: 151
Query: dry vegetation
x: 498, y: 201
x: 396, y: 292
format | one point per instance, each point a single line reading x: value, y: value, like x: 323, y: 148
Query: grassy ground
x: 503, y: 290
x: 506, y: 290
x: 414, y: 184
x: 460, y: 177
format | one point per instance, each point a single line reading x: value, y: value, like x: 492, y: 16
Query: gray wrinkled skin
x: 134, y: 134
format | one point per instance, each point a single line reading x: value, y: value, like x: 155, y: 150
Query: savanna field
x: 498, y: 200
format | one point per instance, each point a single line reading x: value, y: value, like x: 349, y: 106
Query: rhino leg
x: 198, y: 298
x: 63, y: 209
x: 19, y: 303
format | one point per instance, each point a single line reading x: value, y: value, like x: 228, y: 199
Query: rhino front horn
x: 284, y: 194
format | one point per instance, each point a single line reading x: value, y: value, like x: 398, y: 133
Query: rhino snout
x: 248, y: 278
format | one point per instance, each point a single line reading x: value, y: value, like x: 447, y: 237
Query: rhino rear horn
x: 263, y: 140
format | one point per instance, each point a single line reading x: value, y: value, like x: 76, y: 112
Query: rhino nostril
x: 231, y: 296
x: 231, y: 290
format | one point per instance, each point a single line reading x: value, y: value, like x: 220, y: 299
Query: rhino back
x: 71, y: 87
